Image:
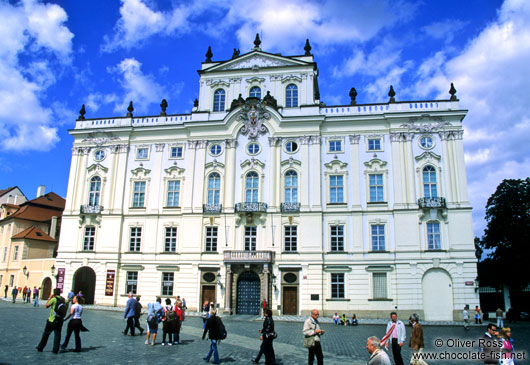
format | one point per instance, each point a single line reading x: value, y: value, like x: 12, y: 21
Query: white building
x: 274, y: 196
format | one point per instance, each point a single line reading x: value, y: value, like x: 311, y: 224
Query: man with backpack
x: 216, y: 332
x: 55, y: 321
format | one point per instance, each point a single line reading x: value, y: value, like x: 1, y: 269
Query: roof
x: 5, y: 191
x: 50, y: 200
x: 34, y: 233
x: 41, y: 209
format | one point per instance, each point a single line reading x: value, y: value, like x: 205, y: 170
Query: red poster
x: 60, y: 279
x: 109, y: 288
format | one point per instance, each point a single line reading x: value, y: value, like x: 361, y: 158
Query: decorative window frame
x: 142, y: 146
x: 429, y: 136
x: 243, y: 236
x: 253, y: 154
x: 376, y: 166
x: 296, y: 81
x: 215, y: 143
x: 219, y: 85
x: 162, y: 244
x: 345, y: 283
x: 211, y: 224
x: 292, y: 224
x: 429, y: 158
x: 100, y: 150
x: 126, y: 292
x: 181, y: 145
x: 258, y: 167
x: 285, y: 166
x: 209, y: 169
x: 291, y: 140
x: 139, y: 174
x: 374, y: 136
x: 103, y: 180
x: 135, y: 225
x: 83, y: 233
x: 334, y: 139
x: 336, y: 167
x: 425, y: 236
x: 337, y: 222
x: 173, y: 173
x: 373, y: 222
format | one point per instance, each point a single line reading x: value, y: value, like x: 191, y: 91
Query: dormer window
x: 291, y: 96
x: 255, y: 92
x: 219, y: 100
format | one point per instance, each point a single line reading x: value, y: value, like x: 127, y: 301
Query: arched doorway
x: 46, y: 288
x: 248, y: 293
x: 437, y: 295
x: 85, y: 281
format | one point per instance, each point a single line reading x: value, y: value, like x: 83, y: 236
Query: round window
x: 426, y: 142
x: 215, y: 149
x: 289, y: 277
x: 99, y: 155
x: 209, y: 277
x: 291, y: 146
x: 253, y: 148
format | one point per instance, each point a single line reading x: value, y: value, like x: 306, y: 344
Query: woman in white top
x: 75, y: 325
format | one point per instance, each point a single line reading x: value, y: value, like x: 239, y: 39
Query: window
x: 374, y: 144
x: 219, y: 100
x: 251, y: 187
x: 335, y: 145
x: 11, y: 280
x: 142, y: 153
x: 171, y: 239
x: 250, y: 238
x: 135, y: 239
x: 336, y: 189
x: 291, y: 187
x: 168, y: 279
x: 132, y: 282
x: 173, y: 193
x: 290, y: 238
x: 426, y: 142
x: 176, y: 152
x: 95, y: 189
x: 5, y: 254
x: 215, y: 149
x: 376, y: 188
x: 291, y: 96
x: 255, y: 92
x: 378, y: 237
x: 139, y: 194
x: 99, y: 155
x: 291, y: 147
x: 337, y: 286
x: 211, y: 239
x: 15, y: 254
x: 337, y: 238
x: 214, y: 188
x: 433, y: 236
x: 379, y: 285
x: 253, y: 148
x: 429, y: 182
x: 90, y: 235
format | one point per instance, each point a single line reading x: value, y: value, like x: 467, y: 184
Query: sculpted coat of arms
x: 252, y: 114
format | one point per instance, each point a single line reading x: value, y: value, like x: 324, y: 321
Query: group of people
x: 26, y: 294
x: 498, y: 347
x: 60, y: 311
x: 342, y: 320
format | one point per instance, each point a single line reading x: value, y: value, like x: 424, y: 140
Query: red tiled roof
x: 34, y: 233
x: 51, y: 200
x: 32, y: 213
x: 5, y: 191
x: 9, y: 205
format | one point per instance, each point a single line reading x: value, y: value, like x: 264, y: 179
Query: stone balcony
x: 91, y: 209
x: 428, y: 203
x: 212, y: 208
x: 255, y: 207
x: 248, y: 256
x: 290, y: 207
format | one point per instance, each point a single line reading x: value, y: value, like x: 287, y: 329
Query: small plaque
x: 469, y: 283
x: 315, y: 296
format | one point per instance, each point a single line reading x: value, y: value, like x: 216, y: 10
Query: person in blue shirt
x: 129, y: 314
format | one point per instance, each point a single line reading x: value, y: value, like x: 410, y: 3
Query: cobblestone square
x: 23, y: 324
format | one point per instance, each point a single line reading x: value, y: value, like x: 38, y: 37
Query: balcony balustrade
x: 212, y: 208
x: 255, y: 207
x: 249, y: 256
x: 91, y: 209
x: 431, y: 203
x: 290, y: 207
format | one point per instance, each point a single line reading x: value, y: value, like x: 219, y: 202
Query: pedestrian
x: 54, y: 323
x: 397, y: 336
x: 213, y: 328
x: 184, y: 307
x: 377, y: 355
x: 75, y: 325
x: 177, y: 323
x: 312, y: 334
x: 137, y: 314
x: 205, y: 313
x: 6, y: 288
x: 154, y: 316
x: 490, y: 345
x: 478, y: 315
x: 24, y: 293
x: 267, y: 336
x: 14, y: 293
x: 500, y: 314
x: 129, y: 314
x: 336, y: 319
x: 507, y: 350
x: 465, y: 315
x: 70, y: 296
x: 36, y: 296
x: 167, y: 322
x: 28, y: 295
x: 416, y: 340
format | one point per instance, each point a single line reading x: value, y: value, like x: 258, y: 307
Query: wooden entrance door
x: 208, y: 294
x: 290, y: 300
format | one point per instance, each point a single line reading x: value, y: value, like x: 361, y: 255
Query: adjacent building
x: 264, y: 193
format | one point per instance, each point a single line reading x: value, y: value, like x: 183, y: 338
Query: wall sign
x: 109, y: 288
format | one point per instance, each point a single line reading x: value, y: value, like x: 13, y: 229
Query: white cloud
x: 28, y: 28
x: 445, y: 29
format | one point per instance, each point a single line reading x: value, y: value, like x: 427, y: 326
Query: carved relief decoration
x: 414, y: 124
x: 252, y: 114
x: 256, y: 60
x: 100, y: 137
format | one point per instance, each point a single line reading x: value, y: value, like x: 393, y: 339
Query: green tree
x: 507, y: 235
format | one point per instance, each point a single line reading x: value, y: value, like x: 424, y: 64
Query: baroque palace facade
x: 263, y: 193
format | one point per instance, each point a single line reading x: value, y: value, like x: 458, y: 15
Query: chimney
x: 53, y: 227
x: 40, y: 191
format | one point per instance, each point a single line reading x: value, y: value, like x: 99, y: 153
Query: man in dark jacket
x: 213, y: 327
x: 129, y: 312
x: 489, y: 345
x: 137, y: 314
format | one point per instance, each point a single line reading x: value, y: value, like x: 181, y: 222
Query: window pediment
x: 335, y: 166
x: 251, y: 163
x: 428, y: 156
x: 290, y: 162
x: 256, y: 60
x: 97, y: 167
x: 213, y: 165
x: 174, y: 171
x: 376, y: 164
x: 140, y: 172
x: 291, y: 78
x: 218, y: 83
x: 258, y: 80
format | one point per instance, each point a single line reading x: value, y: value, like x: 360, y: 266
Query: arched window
x: 291, y: 187
x: 219, y: 100
x: 95, y: 190
x: 255, y: 92
x: 214, y: 188
x: 291, y: 96
x: 251, y: 187
x: 429, y: 182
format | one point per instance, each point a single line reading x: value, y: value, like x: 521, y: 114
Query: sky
x: 57, y: 55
